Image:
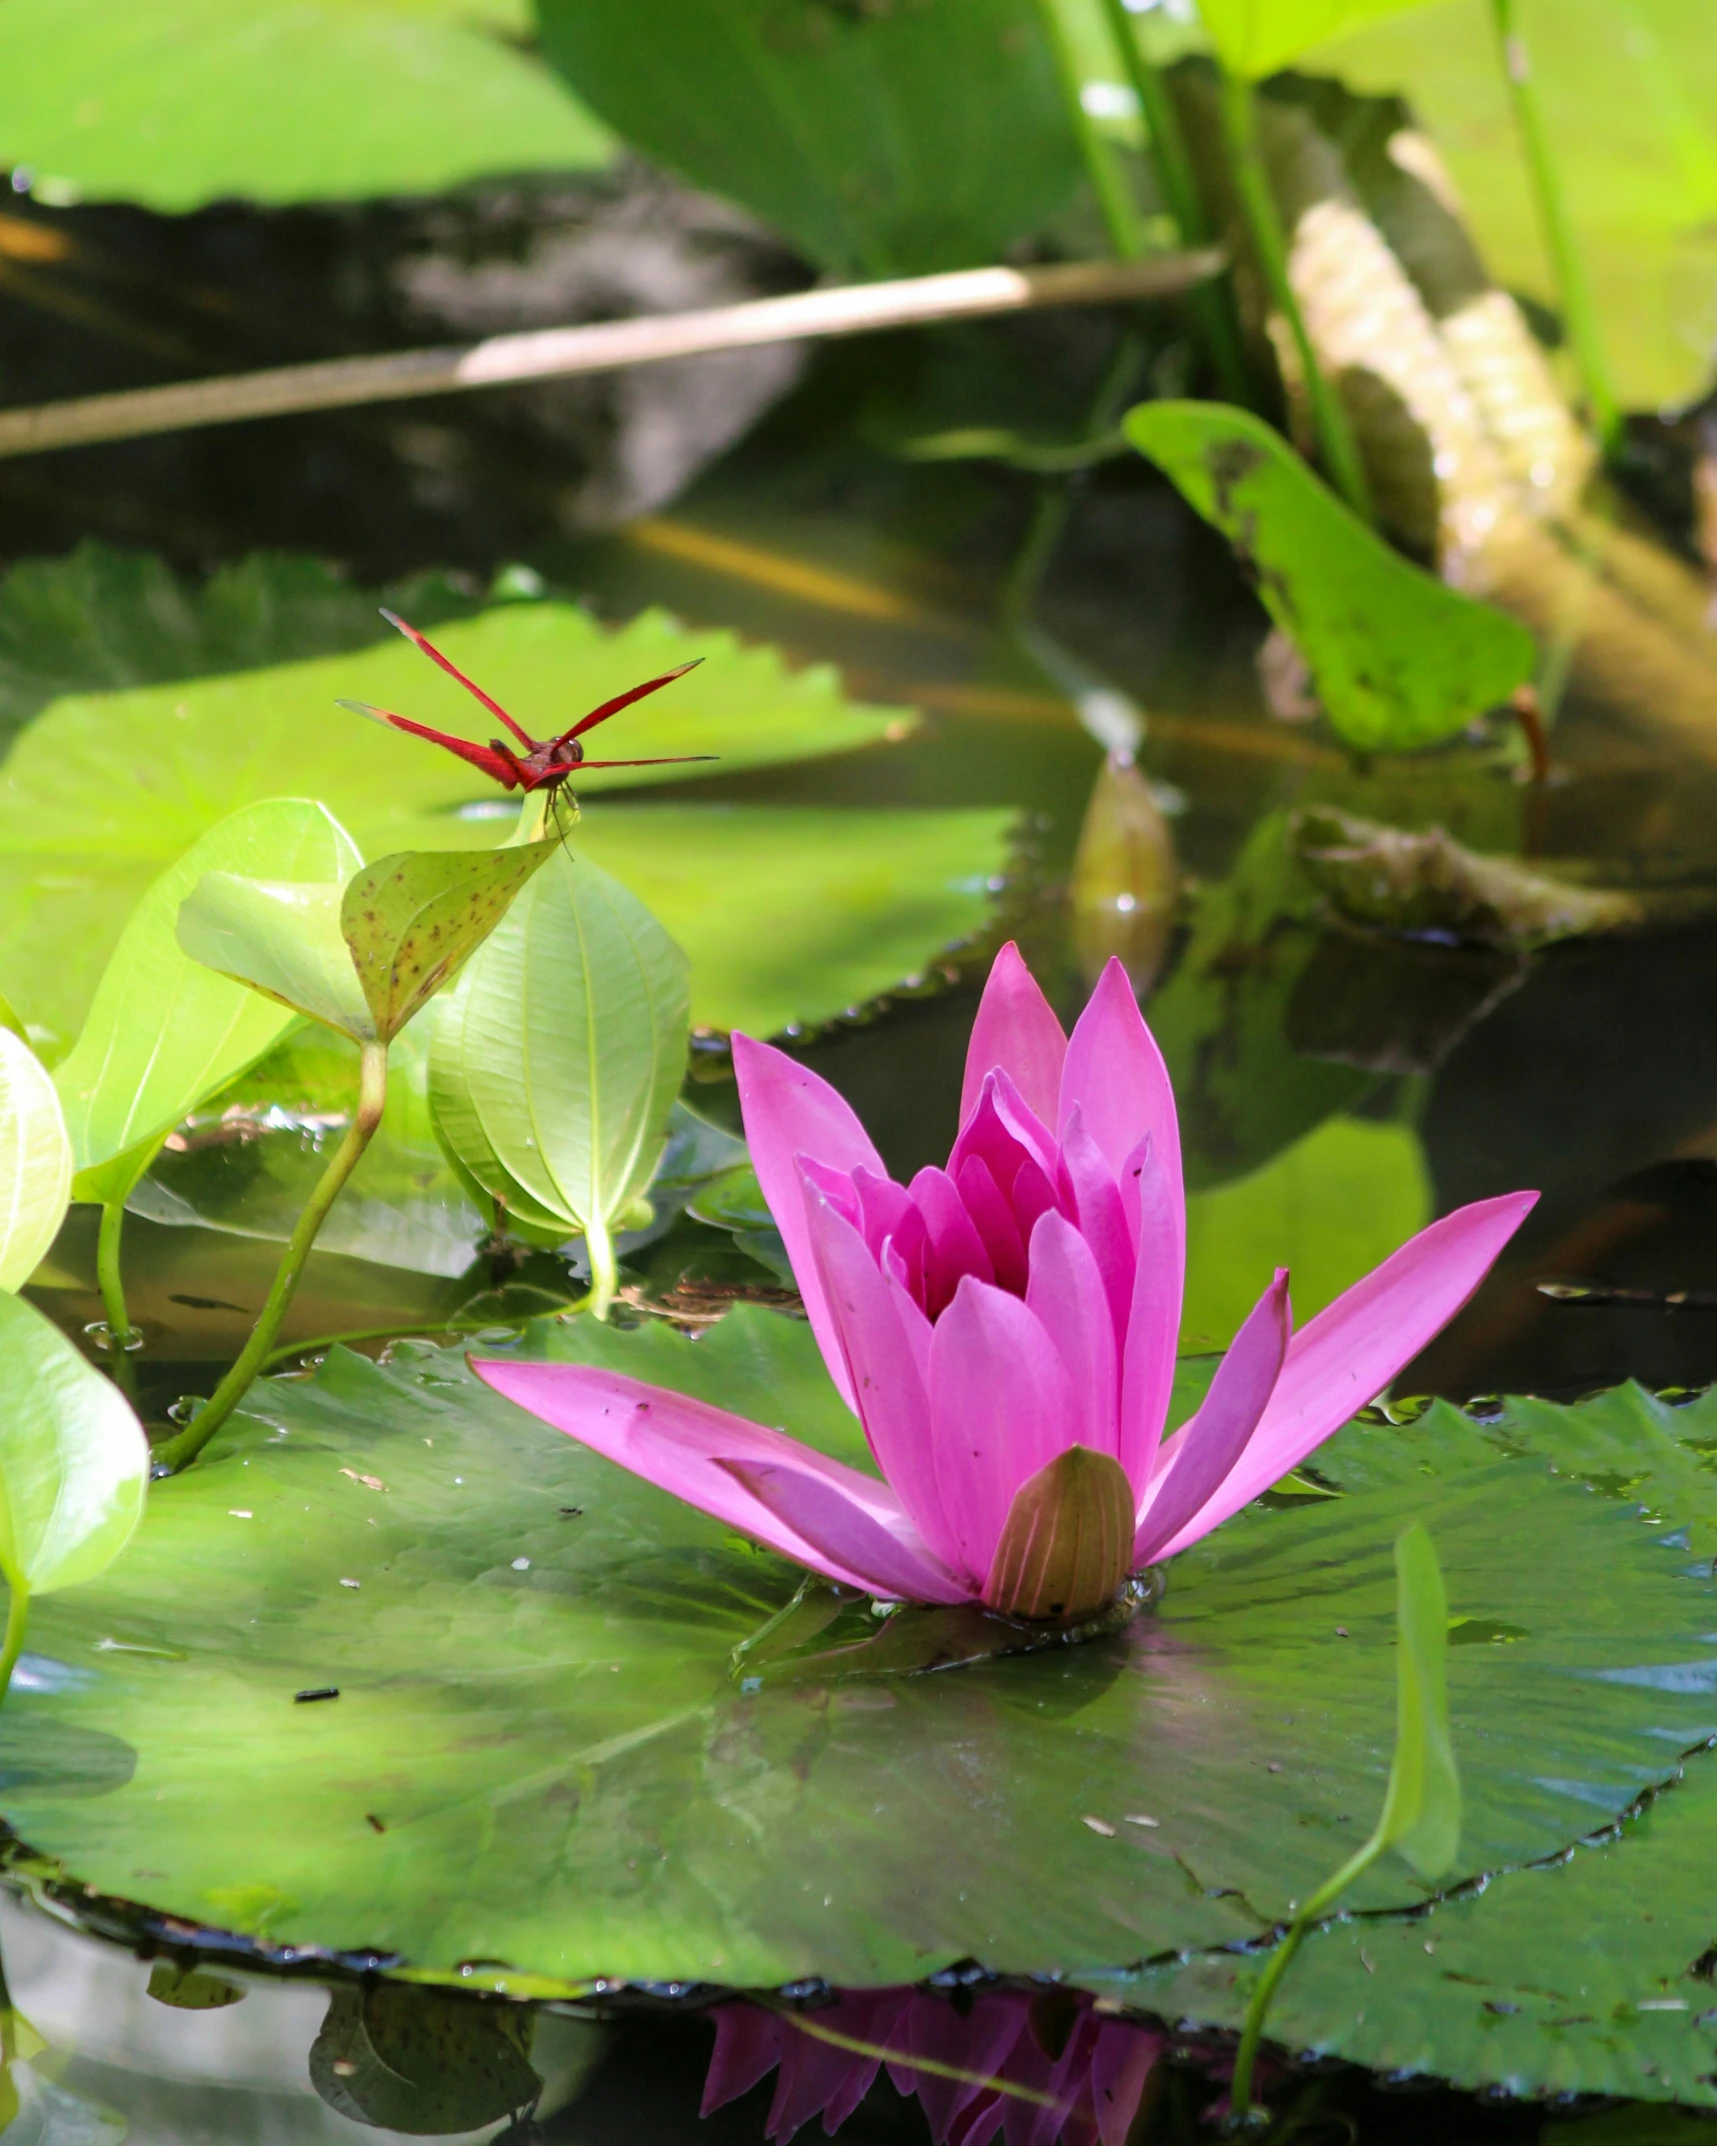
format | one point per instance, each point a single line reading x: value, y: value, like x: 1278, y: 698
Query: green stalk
x: 1252, y: 2032
x: 112, y: 1287
x: 372, y: 1094
x: 1579, y: 309
x: 1126, y: 227
x: 1337, y: 448
x: 1210, y: 304
x: 17, y: 1617
x: 604, y: 1268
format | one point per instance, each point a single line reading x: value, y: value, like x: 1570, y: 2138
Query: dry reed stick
x: 552, y: 353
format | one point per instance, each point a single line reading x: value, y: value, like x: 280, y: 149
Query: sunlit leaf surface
x: 177, y: 105
x: 163, y: 1031
x: 35, y: 1161
x: 1256, y: 37
x: 73, y: 1462
x: 538, y: 1756
x: 1399, y: 658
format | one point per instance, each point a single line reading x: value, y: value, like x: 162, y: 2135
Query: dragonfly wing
x: 479, y: 756
x: 667, y: 760
x: 434, y: 654
x: 625, y: 700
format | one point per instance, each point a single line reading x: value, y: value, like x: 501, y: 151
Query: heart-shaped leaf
x: 163, y: 1031
x: 410, y: 920
x: 282, y: 937
x: 558, y: 1056
x: 74, y: 1464
x: 35, y: 1162
x: 1400, y: 660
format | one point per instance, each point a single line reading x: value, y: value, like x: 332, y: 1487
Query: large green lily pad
x: 174, y: 105
x: 538, y: 1759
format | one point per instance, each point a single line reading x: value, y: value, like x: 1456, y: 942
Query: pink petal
x: 788, y: 1111
x: 747, y: 2046
x: 1153, y: 1321
x: 1000, y: 1409
x: 1122, y: 2062
x: 885, y: 1208
x: 887, y: 1362
x: 1210, y: 1446
x: 1015, y: 1030
x: 1004, y: 1130
x: 1067, y: 1294
x: 994, y: 1222
x: 1116, y: 1078
x: 1348, y: 1354
x: 974, y: 2046
x: 1101, y: 1217
x: 679, y: 1444
x: 845, y: 1537
x: 956, y: 1249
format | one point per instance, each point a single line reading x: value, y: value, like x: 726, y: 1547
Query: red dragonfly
x: 545, y: 763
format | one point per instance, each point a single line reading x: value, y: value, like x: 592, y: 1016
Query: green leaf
x: 35, y: 1162
x: 836, y: 124
x: 163, y: 1033
x: 1422, y: 1810
x: 1258, y: 37
x: 1399, y: 659
x: 563, y: 1732
x: 559, y: 1053
x: 74, y: 1464
x: 410, y: 920
x: 282, y: 937
x: 796, y: 913
x: 1628, y: 88
x: 179, y: 104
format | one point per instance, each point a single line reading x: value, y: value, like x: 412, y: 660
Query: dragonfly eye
x: 574, y: 752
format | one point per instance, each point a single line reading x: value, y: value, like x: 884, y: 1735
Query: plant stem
x: 1121, y: 216
x: 17, y: 1617
x: 1252, y: 2032
x: 1337, y: 448
x: 1578, y: 308
x: 112, y: 1287
x: 604, y: 1268
x: 1212, y: 304
x: 372, y: 1094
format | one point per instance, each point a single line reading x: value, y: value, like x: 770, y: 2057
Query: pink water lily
x: 1005, y: 1331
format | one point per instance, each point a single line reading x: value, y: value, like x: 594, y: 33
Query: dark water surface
x: 1588, y: 1071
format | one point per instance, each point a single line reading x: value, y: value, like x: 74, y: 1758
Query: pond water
x: 1338, y: 1089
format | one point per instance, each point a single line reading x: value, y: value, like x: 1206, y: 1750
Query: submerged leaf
x: 1396, y: 881
x: 74, y: 1464
x: 163, y: 1031
x: 559, y: 1054
x: 412, y: 919
x: 1399, y: 659
x: 35, y: 1162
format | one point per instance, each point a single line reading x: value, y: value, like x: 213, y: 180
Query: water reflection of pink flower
x: 1008, y: 2064
x: 1005, y: 1329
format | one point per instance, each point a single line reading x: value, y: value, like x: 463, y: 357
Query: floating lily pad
x: 177, y: 105
x: 1587, y: 1977
x: 538, y: 1756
